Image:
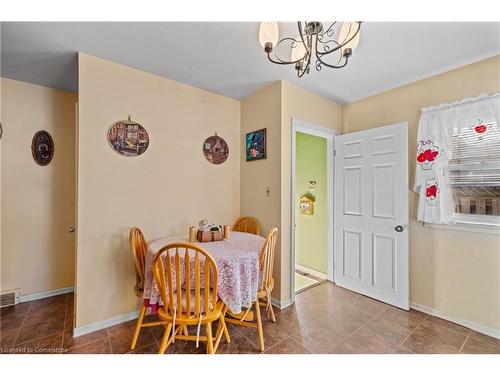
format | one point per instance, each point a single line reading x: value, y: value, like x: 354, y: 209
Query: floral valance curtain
x: 472, y: 117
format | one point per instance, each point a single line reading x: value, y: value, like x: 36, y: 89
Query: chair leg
x: 210, y: 340
x: 222, y: 324
x: 185, y: 330
x: 273, y: 317
x: 138, y: 327
x: 165, y: 340
x: 259, y: 326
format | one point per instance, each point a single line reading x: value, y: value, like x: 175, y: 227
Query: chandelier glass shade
x: 330, y: 44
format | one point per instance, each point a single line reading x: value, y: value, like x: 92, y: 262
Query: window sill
x: 466, y: 227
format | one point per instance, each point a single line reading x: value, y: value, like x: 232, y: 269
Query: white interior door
x: 371, y: 213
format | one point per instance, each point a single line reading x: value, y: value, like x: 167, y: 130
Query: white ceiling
x: 226, y: 58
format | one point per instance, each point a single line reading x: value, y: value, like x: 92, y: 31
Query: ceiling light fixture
x: 315, y: 39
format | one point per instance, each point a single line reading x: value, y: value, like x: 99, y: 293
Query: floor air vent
x: 9, y: 297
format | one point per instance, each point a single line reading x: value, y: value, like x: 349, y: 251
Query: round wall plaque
x: 42, y: 147
x: 215, y: 149
x: 128, y: 138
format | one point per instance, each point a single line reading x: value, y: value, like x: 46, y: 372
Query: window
x: 475, y: 174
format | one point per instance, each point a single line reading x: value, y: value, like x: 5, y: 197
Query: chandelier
x: 315, y: 39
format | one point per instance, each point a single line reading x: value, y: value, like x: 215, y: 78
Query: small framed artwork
x: 128, y: 138
x: 42, y: 147
x: 256, y: 145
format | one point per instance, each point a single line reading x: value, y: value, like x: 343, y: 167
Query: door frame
x: 329, y: 134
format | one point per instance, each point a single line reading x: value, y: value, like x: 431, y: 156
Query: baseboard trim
x: 489, y: 331
x: 79, y: 331
x: 281, y: 304
x: 49, y: 293
x: 312, y: 272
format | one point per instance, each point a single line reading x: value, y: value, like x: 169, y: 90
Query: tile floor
x: 304, y: 281
x: 325, y: 319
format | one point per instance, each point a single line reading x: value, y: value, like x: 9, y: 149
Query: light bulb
x: 268, y: 33
x: 299, y: 51
x: 346, y: 32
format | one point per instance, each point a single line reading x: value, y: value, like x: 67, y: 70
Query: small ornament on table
x: 227, y: 230
x: 208, y: 232
x: 192, y: 234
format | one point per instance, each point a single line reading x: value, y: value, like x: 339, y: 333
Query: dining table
x: 237, y: 259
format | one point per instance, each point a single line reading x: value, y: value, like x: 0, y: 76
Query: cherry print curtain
x: 470, y: 118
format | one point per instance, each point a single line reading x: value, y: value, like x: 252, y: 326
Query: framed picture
x: 128, y: 138
x: 256, y: 145
x: 42, y: 147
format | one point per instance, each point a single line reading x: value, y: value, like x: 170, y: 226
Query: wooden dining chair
x: 247, y: 224
x: 266, y: 285
x: 139, y: 248
x: 187, y: 279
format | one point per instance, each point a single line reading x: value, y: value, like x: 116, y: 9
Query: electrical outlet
x: 268, y: 192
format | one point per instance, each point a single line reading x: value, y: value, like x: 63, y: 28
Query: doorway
x: 312, y: 206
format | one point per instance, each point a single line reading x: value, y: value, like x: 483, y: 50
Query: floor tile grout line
x: 39, y: 338
x: 109, y: 341
x: 411, y: 351
x: 342, y: 341
x: 435, y: 339
x: 413, y: 331
x: 368, y: 321
x: 64, y: 325
x: 450, y: 329
x: 463, y: 344
x: 87, y: 343
x: 365, y: 323
x: 22, y: 323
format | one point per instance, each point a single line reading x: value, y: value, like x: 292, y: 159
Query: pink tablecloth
x: 237, y: 259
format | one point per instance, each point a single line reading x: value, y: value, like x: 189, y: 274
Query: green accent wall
x: 311, y: 230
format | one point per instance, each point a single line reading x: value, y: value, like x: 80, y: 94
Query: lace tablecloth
x: 237, y: 260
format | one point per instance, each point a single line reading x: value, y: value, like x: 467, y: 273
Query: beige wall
x: 456, y: 272
x: 273, y: 107
x: 263, y: 110
x: 37, y: 202
x: 164, y: 191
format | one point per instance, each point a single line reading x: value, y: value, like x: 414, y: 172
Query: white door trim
x: 323, y: 132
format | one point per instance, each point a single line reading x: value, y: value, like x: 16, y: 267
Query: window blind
x: 475, y: 169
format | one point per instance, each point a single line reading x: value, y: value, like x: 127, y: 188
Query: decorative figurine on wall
x: 306, y: 204
x: 215, y: 149
x: 311, y: 186
x: 256, y: 145
x: 128, y: 138
x: 42, y: 147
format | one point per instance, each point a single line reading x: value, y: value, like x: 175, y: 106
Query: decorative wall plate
x: 42, y: 147
x: 215, y: 149
x: 128, y: 138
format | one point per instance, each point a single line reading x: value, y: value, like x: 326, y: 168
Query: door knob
x: 399, y: 228
x: 71, y: 229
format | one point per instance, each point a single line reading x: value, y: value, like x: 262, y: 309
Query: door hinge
x: 334, y: 152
